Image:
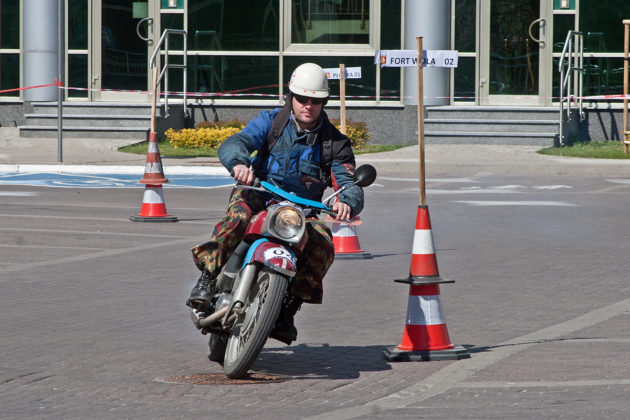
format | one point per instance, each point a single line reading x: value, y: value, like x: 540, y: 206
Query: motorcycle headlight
x: 287, y: 222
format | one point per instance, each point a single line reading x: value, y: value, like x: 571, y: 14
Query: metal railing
x: 164, y: 73
x: 571, y: 68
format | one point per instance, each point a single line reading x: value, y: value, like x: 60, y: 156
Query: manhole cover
x: 221, y: 379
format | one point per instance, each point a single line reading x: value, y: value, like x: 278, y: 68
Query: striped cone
x: 153, y: 208
x: 424, y: 268
x: 153, y: 173
x: 425, y: 336
x: 346, y: 241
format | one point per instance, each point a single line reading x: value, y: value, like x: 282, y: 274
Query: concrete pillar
x: 40, y: 48
x: 429, y: 19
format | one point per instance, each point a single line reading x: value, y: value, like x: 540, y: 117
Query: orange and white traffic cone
x: 346, y: 241
x: 425, y: 336
x: 153, y: 173
x: 153, y: 207
x: 424, y: 266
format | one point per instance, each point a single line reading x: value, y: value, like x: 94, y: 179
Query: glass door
x: 123, y: 35
x: 515, y: 52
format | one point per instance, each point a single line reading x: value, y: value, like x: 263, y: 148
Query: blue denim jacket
x: 292, y: 163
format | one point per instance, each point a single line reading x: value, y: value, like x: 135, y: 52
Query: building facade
x: 242, y: 53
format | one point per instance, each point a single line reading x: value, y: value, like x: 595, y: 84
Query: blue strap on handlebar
x: 292, y: 197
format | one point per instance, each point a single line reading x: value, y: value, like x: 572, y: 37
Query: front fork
x: 246, y: 280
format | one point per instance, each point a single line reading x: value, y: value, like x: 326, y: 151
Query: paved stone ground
x: 94, y: 322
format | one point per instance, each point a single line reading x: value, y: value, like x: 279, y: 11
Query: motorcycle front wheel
x: 253, y: 326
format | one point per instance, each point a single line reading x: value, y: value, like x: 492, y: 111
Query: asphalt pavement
x: 94, y: 324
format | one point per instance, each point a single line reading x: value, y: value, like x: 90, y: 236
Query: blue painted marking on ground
x: 62, y: 180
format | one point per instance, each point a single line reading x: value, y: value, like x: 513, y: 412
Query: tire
x: 217, y: 345
x: 252, y: 328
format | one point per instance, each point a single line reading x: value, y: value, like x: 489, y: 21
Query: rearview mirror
x: 364, y: 175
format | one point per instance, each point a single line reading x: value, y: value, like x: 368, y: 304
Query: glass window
x: 390, y: 84
x: 465, y: 79
x: 9, y: 24
x: 224, y: 25
x: 356, y: 89
x: 602, y: 24
x: 77, y: 24
x: 330, y: 21
x: 244, y: 77
x: 465, y: 15
x: 124, y: 54
x: 562, y: 24
x: 173, y: 21
x: 390, y: 18
x: 77, y: 75
x: 603, y: 76
x: 10, y: 73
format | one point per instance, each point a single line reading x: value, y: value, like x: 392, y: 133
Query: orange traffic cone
x: 153, y: 208
x: 425, y: 336
x: 153, y: 173
x: 424, y: 268
x: 346, y: 241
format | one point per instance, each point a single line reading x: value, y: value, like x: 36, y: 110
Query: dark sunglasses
x: 304, y: 99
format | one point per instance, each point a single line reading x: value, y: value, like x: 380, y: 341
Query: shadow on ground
x: 321, y: 361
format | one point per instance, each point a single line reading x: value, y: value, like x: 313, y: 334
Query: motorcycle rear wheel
x: 252, y: 328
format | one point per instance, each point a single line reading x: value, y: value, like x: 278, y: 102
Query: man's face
x: 306, y: 112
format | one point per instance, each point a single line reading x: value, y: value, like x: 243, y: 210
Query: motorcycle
x: 250, y: 290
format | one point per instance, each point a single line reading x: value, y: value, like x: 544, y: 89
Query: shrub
x: 234, y: 123
x: 207, y: 134
x: 212, y: 134
x: 357, y: 132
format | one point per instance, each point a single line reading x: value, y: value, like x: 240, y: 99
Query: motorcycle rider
x: 295, y: 162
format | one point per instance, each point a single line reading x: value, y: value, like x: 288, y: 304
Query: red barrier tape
x: 236, y: 94
x: 32, y: 87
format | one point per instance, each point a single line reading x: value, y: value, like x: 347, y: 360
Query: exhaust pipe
x: 214, y: 317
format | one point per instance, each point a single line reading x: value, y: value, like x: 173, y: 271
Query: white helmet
x: 309, y: 79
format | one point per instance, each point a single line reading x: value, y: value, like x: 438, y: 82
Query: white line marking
x: 473, y: 190
x: 518, y: 203
x: 87, y: 232
x: 619, y: 181
x: 452, y: 180
x: 18, y: 194
x: 543, y: 384
x: 50, y: 246
x: 122, y: 169
x: 551, y: 187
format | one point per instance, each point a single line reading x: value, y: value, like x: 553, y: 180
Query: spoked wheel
x: 254, y: 324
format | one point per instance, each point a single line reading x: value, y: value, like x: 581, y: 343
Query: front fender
x: 272, y: 255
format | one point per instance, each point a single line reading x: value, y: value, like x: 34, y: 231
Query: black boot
x: 285, y: 330
x: 200, y: 295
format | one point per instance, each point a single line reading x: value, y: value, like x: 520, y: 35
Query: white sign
x: 351, y: 73
x: 409, y: 58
